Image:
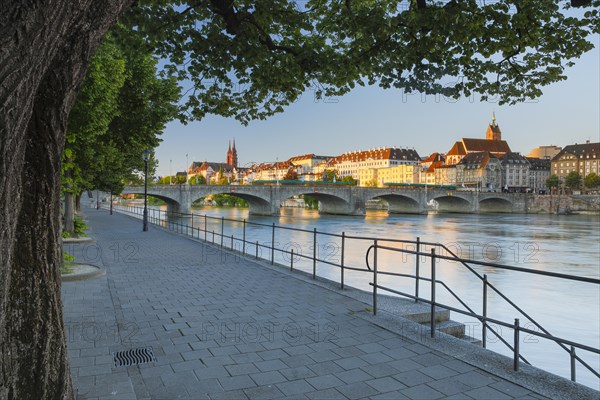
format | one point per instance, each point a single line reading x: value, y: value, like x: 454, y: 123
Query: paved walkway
x: 223, y: 327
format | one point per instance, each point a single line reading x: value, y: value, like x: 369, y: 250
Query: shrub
x: 66, y: 267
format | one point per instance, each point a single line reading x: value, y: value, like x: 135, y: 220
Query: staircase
x: 421, y: 312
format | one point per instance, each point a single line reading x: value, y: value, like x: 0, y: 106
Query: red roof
x: 493, y: 146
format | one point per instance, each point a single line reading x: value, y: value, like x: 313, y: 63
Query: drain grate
x: 131, y: 357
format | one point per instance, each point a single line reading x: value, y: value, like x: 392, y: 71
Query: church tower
x: 493, y: 131
x: 232, y: 158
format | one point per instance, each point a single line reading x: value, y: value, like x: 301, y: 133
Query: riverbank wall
x: 563, y: 204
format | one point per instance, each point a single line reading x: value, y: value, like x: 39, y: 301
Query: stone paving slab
x: 223, y: 327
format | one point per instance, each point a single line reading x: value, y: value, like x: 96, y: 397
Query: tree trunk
x: 69, y: 211
x: 78, y: 203
x: 46, y: 46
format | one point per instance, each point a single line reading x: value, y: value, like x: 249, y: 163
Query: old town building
x: 351, y: 163
x: 480, y: 171
x: 582, y: 158
x: 515, y: 173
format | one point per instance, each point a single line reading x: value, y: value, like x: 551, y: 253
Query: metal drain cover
x: 131, y: 357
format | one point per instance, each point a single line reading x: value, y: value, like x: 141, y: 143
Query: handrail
x: 546, y: 334
x: 467, y: 263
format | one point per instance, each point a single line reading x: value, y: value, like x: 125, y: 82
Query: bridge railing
x: 426, y: 269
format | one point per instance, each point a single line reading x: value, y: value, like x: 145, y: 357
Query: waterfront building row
x: 471, y: 163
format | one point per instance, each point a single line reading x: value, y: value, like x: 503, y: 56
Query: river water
x: 564, y: 244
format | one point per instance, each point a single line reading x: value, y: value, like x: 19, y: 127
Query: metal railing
x: 174, y: 221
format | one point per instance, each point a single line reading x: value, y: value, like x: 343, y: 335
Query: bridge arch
x: 256, y: 204
x: 399, y: 204
x: 173, y: 205
x: 495, y: 205
x: 453, y: 204
x: 328, y: 203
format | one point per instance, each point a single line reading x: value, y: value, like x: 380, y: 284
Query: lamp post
x: 146, y: 155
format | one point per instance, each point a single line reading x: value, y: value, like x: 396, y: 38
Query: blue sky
x: 567, y: 113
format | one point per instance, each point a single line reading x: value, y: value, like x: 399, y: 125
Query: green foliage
x: 310, y: 202
x: 121, y: 109
x: 371, y: 183
x: 592, y: 181
x: 233, y: 53
x: 552, y: 181
x: 197, y: 180
x: 573, y: 180
x: 80, y: 226
x: 223, y: 180
x: 66, y: 267
x: 228, y: 200
x: 349, y: 179
x: 155, y: 201
x: 329, y: 174
x: 171, y: 180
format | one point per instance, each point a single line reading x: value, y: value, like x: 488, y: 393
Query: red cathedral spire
x: 232, y: 158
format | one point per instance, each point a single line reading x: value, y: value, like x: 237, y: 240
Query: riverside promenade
x: 225, y: 327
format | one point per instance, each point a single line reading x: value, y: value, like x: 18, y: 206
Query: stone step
x: 451, y: 328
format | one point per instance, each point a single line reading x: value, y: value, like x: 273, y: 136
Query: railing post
x: 213, y: 239
x: 231, y: 242
x: 483, y: 328
x: 192, y: 217
x: 244, y: 238
x: 292, y: 261
x: 222, y: 229
x: 417, y: 270
x: 342, y: 260
x: 314, y: 275
x: 375, y: 278
x: 273, y: 245
x: 205, y: 226
x: 432, y: 322
x: 257, y: 249
x: 573, y: 365
x: 516, y: 346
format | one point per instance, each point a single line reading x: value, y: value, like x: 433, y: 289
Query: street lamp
x: 146, y: 155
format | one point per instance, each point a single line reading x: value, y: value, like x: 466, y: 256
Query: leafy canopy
x: 249, y: 59
x: 552, y: 182
x: 592, y: 180
x: 121, y: 110
x: 573, y: 180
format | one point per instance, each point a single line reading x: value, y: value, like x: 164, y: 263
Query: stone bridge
x: 337, y: 199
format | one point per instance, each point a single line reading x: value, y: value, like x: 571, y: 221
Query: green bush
x: 66, y: 267
x: 80, y: 226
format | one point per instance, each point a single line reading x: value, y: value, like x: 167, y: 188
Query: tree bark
x: 46, y: 46
x: 69, y: 211
x: 78, y: 203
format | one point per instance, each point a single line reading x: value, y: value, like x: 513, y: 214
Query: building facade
x: 582, y: 158
x: 515, y: 173
x: 445, y: 175
x: 480, y: 171
x: 351, y: 163
x: 408, y: 174
x: 544, y: 152
x: 539, y: 172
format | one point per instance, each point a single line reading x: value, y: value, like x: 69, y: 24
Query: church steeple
x: 232, y: 158
x: 493, y: 130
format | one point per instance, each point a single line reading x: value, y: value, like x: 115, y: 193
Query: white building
x: 351, y: 163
